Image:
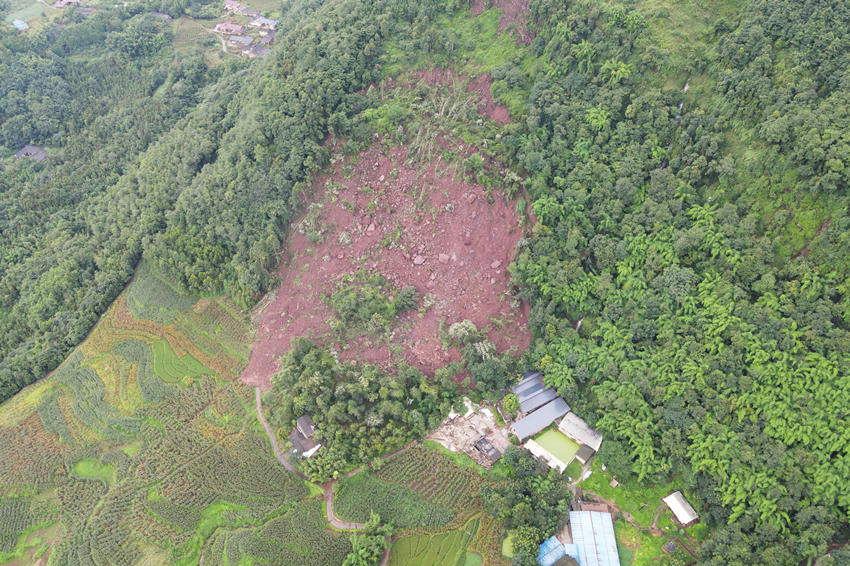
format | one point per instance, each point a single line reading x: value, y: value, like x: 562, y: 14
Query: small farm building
x: 256, y: 51
x: 486, y: 448
x: 574, y: 427
x: 682, y: 510
x: 593, y: 537
x: 584, y: 454
x: 302, y: 437
x: 20, y: 25
x: 33, y: 152
x: 541, y: 418
x: 551, y: 551
x: 305, y: 425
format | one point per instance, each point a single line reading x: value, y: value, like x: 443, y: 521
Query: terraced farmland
x: 444, y: 549
x: 396, y: 504
x: 434, y: 476
x: 142, y: 447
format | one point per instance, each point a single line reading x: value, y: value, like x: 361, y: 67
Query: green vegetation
x: 636, y: 498
x: 174, y: 476
x: 698, y: 235
x: 360, y: 410
x: 558, y: 445
x: 434, y: 476
x: 91, y: 469
x: 359, y: 496
x: 446, y: 549
x: 369, y: 303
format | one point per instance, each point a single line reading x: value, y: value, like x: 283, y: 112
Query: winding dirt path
x: 332, y: 518
x: 273, y: 439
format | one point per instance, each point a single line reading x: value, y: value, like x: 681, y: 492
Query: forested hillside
x: 686, y: 164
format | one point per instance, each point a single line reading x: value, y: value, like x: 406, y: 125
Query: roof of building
x: 86, y: 11
x: 306, y: 425
x: 484, y: 446
x: 529, y: 392
x: 575, y: 427
x: 242, y: 40
x: 33, y: 152
x: 550, y: 552
x: 541, y: 453
x: 20, y: 25
x: 682, y: 510
x: 301, y: 443
x: 540, y: 419
x: 537, y: 400
x: 585, y: 453
x: 531, y: 379
x: 162, y: 16
x: 593, y: 536
x: 259, y: 51
x: 262, y: 21
x: 229, y: 27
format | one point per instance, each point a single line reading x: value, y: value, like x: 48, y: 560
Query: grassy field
x: 637, y: 499
x: 144, y: 447
x: 558, y: 445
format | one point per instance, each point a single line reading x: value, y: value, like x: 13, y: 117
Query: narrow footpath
x: 328, y: 488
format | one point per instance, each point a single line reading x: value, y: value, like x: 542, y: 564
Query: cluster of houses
x: 540, y: 407
x: 237, y: 34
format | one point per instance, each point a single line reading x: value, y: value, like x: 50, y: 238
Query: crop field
x: 396, y: 504
x: 142, y: 447
x: 434, y: 476
x: 444, y: 549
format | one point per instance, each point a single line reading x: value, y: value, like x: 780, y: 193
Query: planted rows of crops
x: 398, y: 505
x: 433, y: 476
x: 138, y: 444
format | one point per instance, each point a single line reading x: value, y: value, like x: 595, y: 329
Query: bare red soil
x: 417, y: 225
x: 514, y: 13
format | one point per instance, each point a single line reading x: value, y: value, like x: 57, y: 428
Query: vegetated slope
x: 143, y: 448
x: 209, y: 201
x: 704, y: 247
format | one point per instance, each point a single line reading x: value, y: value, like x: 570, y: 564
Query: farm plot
x: 434, y: 476
x: 105, y: 462
x: 444, y: 549
x: 397, y: 504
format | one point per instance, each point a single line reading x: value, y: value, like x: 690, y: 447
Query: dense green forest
x: 687, y: 166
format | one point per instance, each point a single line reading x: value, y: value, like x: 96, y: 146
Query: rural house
x: 33, y: 152
x: 263, y: 23
x: 302, y: 437
x: 682, y: 510
x: 240, y: 41
x: 229, y: 28
x: 487, y: 450
x: 256, y: 51
x: 268, y: 37
x: 233, y: 6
